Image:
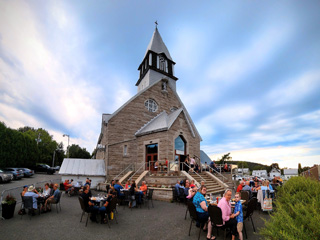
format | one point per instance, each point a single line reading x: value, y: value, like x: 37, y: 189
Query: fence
x: 16, y: 192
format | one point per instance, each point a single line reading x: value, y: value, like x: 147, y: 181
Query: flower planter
x: 8, y: 210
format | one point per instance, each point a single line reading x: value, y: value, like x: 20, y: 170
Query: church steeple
x: 157, y: 64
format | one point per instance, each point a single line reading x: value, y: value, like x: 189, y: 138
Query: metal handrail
x: 116, y: 177
x: 194, y: 172
x: 142, y: 165
x: 223, y: 177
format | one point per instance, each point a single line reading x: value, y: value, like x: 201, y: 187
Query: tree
x: 299, y: 169
x: 225, y: 157
x: 75, y: 151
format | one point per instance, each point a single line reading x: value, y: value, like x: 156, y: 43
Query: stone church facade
x: 154, y: 124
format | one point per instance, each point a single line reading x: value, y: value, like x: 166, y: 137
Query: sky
x: 249, y: 71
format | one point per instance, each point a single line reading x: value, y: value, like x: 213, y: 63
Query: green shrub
x: 297, y: 212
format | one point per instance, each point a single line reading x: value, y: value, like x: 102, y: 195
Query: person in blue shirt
x: 202, y: 209
x: 117, y: 186
x: 239, y: 214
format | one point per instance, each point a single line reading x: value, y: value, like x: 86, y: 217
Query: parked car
x: 27, y: 172
x: 5, y: 176
x: 44, y: 168
x: 17, y: 174
x: 57, y: 168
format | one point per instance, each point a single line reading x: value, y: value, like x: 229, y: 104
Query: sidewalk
x: 164, y: 221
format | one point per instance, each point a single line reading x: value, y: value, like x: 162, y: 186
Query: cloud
x: 286, y: 156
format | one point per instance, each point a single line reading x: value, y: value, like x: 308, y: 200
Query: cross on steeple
x: 156, y: 22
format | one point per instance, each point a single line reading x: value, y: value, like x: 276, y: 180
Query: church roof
x: 162, y: 122
x: 193, y: 129
x: 157, y: 45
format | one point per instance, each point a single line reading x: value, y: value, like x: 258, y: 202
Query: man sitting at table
x: 105, y: 209
x: 240, y: 187
x: 247, y: 188
x: 32, y: 192
x: 144, y: 187
x: 52, y: 199
x: 118, y: 188
x: 89, y: 206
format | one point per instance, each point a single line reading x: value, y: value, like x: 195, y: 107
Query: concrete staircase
x: 212, y: 185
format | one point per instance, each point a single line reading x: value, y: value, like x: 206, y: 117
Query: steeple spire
x: 156, y: 64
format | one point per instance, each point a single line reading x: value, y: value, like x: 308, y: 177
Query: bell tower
x: 157, y: 64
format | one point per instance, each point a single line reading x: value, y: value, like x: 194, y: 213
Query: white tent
x: 79, y: 169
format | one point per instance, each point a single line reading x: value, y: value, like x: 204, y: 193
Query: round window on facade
x: 151, y: 105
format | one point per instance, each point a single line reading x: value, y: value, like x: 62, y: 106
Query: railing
x: 184, y: 164
x: 213, y: 170
x: 16, y: 192
x: 142, y: 165
x: 130, y: 165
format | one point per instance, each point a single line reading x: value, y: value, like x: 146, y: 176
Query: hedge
x: 297, y: 212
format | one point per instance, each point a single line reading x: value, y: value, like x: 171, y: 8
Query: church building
x: 154, y: 124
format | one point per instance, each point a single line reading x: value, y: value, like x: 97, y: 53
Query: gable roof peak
x: 157, y: 45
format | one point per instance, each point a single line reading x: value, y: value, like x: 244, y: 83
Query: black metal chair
x: 215, y: 214
x: 175, y: 197
x: 245, y: 195
x: 251, y: 206
x: 182, y: 196
x: 28, y: 205
x: 84, y: 211
x: 194, y: 217
x: 126, y: 199
x: 149, y: 197
x: 113, y: 209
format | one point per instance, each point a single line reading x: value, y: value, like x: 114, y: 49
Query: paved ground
x: 164, y: 221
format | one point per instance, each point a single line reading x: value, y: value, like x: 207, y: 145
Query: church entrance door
x: 180, y: 152
x: 151, y: 156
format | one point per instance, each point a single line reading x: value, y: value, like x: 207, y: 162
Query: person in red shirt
x: 144, y: 187
x: 239, y: 188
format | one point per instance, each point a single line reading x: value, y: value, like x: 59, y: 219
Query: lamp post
x: 66, y: 135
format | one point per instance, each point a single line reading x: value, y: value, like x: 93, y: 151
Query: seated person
x: 67, y: 185
x: 52, y: 199
x: 177, y: 186
x: 144, y: 187
x: 205, y: 168
x: 89, y: 206
x: 127, y: 186
x: 228, y: 218
x: 201, y: 205
x: 133, y: 190
x: 46, y: 190
x: 105, y: 209
x: 192, y: 191
x: 196, y: 167
x: 241, y: 185
x: 88, y: 182
x: 117, y: 186
x: 25, y: 189
x: 32, y: 192
x: 186, y: 187
x: 156, y: 165
x: 247, y: 188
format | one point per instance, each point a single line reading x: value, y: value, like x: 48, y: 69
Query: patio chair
x: 251, y: 206
x: 83, y: 208
x: 182, y: 196
x: 174, y: 195
x: 113, y: 209
x: 149, y: 197
x: 245, y: 196
x: 215, y: 214
x: 28, y: 205
x: 194, y: 217
x: 58, y: 202
x: 126, y: 199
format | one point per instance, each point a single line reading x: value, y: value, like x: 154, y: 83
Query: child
x: 239, y: 215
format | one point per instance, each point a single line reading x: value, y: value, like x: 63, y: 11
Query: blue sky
x: 249, y: 71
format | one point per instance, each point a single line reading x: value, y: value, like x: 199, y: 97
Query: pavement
x: 164, y: 221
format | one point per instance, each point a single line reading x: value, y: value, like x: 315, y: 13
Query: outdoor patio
x: 164, y: 221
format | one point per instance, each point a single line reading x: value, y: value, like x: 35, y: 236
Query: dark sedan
x: 17, y: 174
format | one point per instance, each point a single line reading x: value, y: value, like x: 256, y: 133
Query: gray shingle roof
x: 157, y: 45
x: 162, y: 122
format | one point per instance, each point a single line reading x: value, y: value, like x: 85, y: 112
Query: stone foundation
x: 162, y: 194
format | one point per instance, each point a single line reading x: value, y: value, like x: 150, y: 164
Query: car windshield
x: 47, y: 166
x: 1, y: 170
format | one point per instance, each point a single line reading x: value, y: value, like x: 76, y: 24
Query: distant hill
x: 251, y: 165
x: 204, y: 157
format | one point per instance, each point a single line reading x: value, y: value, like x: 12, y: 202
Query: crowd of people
x: 234, y: 220
x: 42, y: 200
